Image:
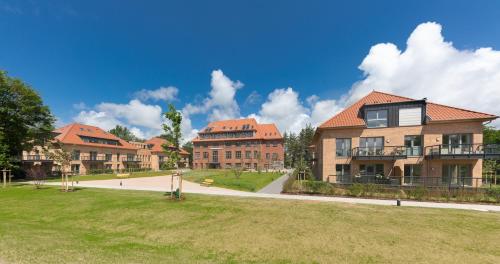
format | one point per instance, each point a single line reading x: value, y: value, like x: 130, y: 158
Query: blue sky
x: 89, y: 59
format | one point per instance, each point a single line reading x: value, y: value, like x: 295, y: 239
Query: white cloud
x: 432, y: 67
x: 144, y: 120
x: 163, y: 93
x: 253, y: 98
x: 80, y: 106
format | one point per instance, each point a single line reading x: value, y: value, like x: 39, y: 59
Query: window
x: 205, y: 155
x: 238, y: 154
x: 268, y: 156
x: 371, y: 169
x: 93, y: 155
x: 275, y: 156
x: 410, y: 116
x: 372, y: 146
x: 376, y: 118
x: 215, y: 156
x: 197, y: 155
x: 75, y: 155
x: 248, y: 165
x: 229, y: 155
x: 412, y: 173
x: 343, y: 147
x: 457, y: 144
x: 255, y: 154
x: 343, y: 172
x: 228, y: 165
x: 109, y: 157
x: 275, y: 144
x: 457, y: 174
x: 248, y: 154
x: 268, y: 144
x: 413, y: 145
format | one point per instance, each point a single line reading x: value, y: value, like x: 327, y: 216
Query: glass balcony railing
x: 454, y: 151
x: 387, y: 152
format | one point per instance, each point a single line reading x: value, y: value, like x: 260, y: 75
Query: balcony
x: 130, y: 159
x: 91, y: 158
x: 464, y: 151
x: 36, y: 158
x: 380, y: 153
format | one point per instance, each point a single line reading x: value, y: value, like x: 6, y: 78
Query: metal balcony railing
x: 464, y: 151
x: 97, y: 158
x: 379, y: 153
x: 36, y: 157
x: 130, y: 159
x: 427, y: 181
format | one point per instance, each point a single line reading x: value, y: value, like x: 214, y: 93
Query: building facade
x: 239, y: 143
x: 385, y: 137
x: 95, y: 150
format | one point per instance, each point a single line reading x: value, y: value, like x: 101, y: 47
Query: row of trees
x: 297, y: 147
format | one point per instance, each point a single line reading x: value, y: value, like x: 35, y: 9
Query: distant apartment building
x: 238, y: 143
x: 415, y: 141
x: 93, y: 149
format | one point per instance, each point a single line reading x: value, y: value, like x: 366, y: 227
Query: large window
x: 248, y: 154
x: 371, y: 169
x: 412, y: 173
x: 413, y: 145
x: 215, y: 156
x: 371, y: 146
x: 229, y: 155
x: 109, y: 156
x: 376, y: 118
x: 457, y: 174
x: 205, y: 155
x: 343, y: 147
x: 457, y: 144
x: 410, y: 116
x: 238, y: 154
x: 343, y: 172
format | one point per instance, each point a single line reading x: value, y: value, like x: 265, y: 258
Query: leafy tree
x: 173, y: 135
x: 491, y: 135
x: 24, y: 120
x: 124, y: 133
x: 63, y: 158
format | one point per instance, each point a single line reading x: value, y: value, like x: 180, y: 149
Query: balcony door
x: 371, y: 146
x: 413, y: 145
x: 457, y: 144
x: 457, y: 174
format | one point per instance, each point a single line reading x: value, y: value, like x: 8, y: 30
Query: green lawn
x: 113, y: 226
x: 248, y: 181
x: 114, y: 176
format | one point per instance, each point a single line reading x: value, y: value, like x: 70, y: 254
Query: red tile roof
x: 157, y: 143
x: 262, y: 131
x: 350, y: 116
x: 71, y: 133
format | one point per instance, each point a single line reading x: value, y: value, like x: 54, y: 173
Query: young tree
x: 24, y: 120
x: 63, y: 158
x: 124, y: 133
x: 172, y: 134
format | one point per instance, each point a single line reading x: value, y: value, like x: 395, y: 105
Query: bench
x: 207, y: 182
x: 123, y: 175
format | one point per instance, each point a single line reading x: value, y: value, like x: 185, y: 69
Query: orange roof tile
x: 71, y: 133
x: 350, y: 117
x: 262, y: 131
x: 157, y: 143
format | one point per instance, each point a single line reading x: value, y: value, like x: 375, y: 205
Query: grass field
x: 248, y: 181
x: 114, y: 176
x: 112, y: 226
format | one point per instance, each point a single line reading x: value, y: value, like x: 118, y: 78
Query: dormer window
x: 376, y: 118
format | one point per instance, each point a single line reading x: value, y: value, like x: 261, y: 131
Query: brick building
x: 413, y: 141
x: 238, y: 143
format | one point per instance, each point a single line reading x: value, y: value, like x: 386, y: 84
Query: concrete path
x: 275, y: 187
x: 162, y: 184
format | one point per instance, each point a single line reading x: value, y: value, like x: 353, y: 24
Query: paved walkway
x: 162, y: 184
x: 275, y: 187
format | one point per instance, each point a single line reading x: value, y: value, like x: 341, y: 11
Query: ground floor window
x: 228, y: 165
x: 255, y: 166
x: 343, y: 171
x: 457, y: 174
x: 412, y: 173
x: 107, y: 166
x: 371, y: 169
x: 75, y: 168
x: 248, y: 165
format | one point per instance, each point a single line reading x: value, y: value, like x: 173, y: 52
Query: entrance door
x: 75, y: 168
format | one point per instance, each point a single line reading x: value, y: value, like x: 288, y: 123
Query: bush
x: 494, y: 193
x: 417, y: 193
x: 356, y: 190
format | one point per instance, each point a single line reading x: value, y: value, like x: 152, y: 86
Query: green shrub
x: 356, y: 190
x: 494, y: 193
x: 417, y: 193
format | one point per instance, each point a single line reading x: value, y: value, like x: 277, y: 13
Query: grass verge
x: 112, y: 226
x: 95, y: 177
x: 248, y: 181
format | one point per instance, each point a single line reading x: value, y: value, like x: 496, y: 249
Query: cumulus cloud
x: 432, y: 67
x: 163, y: 93
x: 144, y: 120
